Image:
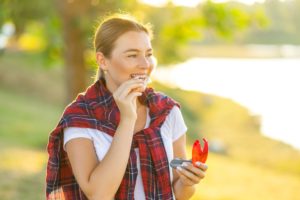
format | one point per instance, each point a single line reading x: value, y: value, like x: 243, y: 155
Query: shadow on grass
x: 22, y: 173
x: 17, y: 185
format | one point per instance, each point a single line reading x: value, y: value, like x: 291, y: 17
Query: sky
x: 192, y: 3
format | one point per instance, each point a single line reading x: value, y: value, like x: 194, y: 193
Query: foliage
x: 23, y: 12
x: 177, y: 26
x: 174, y: 26
x: 273, y: 22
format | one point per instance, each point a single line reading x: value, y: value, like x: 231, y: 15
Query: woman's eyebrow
x: 135, y: 50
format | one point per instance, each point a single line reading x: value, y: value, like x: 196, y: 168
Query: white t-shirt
x: 172, y: 128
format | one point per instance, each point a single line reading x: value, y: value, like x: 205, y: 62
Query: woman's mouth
x: 143, y: 77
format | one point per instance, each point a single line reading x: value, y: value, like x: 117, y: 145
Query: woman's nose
x: 144, y: 62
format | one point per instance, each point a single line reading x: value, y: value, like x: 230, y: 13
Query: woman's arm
x: 185, y: 177
x: 101, y: 180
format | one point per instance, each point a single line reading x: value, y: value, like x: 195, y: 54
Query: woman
x: 115, y: 141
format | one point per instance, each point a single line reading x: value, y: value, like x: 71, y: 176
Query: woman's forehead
x: 133, y: 41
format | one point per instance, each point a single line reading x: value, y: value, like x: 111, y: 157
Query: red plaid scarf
x: 97, y: 109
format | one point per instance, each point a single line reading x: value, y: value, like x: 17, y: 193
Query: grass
x: 27, y: 120
x: 22, y: 172
x: 231, y: 179
x: 25, y: 124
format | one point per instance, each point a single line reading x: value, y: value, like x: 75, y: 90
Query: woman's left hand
x: 189, y: 174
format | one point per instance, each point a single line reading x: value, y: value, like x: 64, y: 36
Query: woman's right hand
x: 126, y: 96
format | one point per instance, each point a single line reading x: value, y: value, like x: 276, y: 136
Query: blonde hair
x: 110, y: 29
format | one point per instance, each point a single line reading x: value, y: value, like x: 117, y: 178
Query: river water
x: 269, y: 88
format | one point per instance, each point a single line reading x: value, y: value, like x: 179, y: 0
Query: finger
x: 183, y: 178
x: 191, y: 176
x: 123, y: 91
x: 127, y: 83
x: 195, y: 170
x: 133, y: 95
x: 140, y: 89
x: 202, y: 166
x: 134, y: 88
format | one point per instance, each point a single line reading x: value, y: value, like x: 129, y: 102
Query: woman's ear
x: 101, y: 60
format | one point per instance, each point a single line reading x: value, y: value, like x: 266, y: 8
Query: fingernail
x: 179, y: 168
x: 198, y: 164
x: 184, y: 164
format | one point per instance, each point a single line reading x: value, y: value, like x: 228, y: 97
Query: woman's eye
x: 132, y: 56
x: 149, y: 55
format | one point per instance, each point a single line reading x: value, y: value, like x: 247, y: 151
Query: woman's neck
x: 110, y: 85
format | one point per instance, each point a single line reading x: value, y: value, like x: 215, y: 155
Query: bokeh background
x: 233, y: 66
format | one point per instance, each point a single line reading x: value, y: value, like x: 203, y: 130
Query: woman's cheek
x: 153, y: 63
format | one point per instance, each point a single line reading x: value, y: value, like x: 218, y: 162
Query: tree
x: 75, y: 17
x: 71, y: 13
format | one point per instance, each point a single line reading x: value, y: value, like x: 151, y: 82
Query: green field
x: 25, y: 123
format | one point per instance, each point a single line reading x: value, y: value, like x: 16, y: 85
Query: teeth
x: 139, y: 76
x: 143, y: 77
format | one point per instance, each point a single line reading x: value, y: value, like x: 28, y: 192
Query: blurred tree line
x: 61, y: 31
x: 279, y: 24
x: 284, y: 24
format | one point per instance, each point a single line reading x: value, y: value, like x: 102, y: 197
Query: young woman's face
x: 131, y: 56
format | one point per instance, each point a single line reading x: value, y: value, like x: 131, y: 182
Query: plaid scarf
x: 97, y: 109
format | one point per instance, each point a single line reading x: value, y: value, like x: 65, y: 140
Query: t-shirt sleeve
x: 75, y: 132
x: 178, y: 126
